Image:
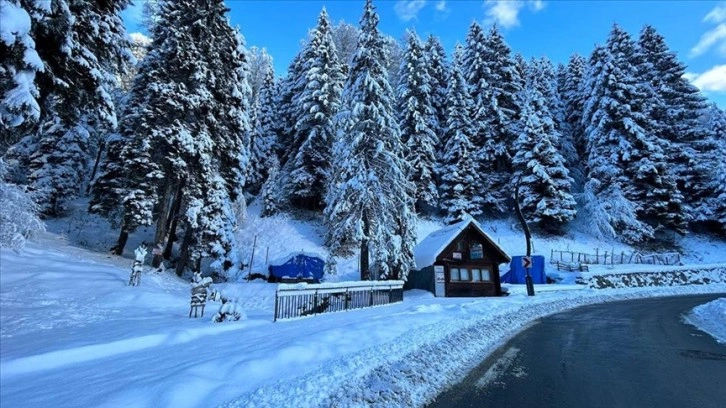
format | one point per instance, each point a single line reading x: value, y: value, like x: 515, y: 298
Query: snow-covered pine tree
x: 491, y: 152
x: 545, y: 80
x: 58, y: 168
x: 459, y: 175
x: 186, y: 128
x: 108, y: 194
x: 264, y: 138
x: 319, y: 103
x: 211, y: 213
x: 369, y: 200
x: 608, y: 212
x: 229, y: 123
x: 345, y: 37
x: 505, y: 81
x: 628, y: 177
x: 139, y: 47
x: 260, y: 64
x: 20, y: 63
x: 82, y: 45
x: 107, y: 141
x: 677, y: 109
x: 288, y: 110
x: 505, y: 87
x: 713, y: 209
x: 493, y: 77
x: 439, y: 73
x: 538, y: 165
x: 268, y: 192
x: 570, y: 90
x: 393, y: 59
x: 416, y: 120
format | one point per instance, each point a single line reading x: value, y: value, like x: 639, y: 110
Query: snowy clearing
x: 107, y: 344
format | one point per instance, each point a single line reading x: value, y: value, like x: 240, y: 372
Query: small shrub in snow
x: 229, y: 311
x: 19, y: 215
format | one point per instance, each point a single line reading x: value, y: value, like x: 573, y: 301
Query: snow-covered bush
x: 229, y: 311
x: 19, y: 220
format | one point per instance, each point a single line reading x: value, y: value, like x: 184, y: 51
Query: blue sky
x: 696, y: 30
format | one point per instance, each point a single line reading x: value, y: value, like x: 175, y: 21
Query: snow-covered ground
x: 710, y: 318
x: 73, y: 334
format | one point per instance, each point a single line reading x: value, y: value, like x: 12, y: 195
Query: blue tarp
x: 516, y: 271
x: 299, y: 266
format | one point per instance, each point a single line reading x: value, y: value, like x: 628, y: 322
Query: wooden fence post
x: 277, y: 296
x: 597, y: 256
x: 315, y: 302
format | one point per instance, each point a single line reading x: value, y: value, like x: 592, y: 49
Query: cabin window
x: 455, y: 274
x: 464, y: 274
x: 476, y: 251
x: 460, y: 245
x: 476, y: 274
x: 486, y: 275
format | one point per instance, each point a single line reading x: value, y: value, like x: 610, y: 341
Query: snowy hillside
x: 274, y: 237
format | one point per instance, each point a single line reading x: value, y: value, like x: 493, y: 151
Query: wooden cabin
x: 460, y: 260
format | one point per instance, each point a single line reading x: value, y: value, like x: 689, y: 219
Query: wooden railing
x: 303, y: 299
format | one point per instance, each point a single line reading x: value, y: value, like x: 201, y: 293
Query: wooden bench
x: 572, y: 267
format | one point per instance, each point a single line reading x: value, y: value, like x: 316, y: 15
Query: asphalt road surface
x: 635, y: 353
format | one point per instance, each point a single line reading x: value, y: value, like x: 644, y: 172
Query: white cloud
x: 717, y: 15
x: 713, y: 80
x: 442, y: 10
x: 715, y: 37
x: 408, y: 10
x: 505, y: 13
x: 691, y: 76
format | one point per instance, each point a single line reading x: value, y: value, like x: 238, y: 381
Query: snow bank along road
x: 429, y: 359
x: 631, y: 353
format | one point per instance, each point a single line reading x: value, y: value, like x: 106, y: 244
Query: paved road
x: 625, y: 354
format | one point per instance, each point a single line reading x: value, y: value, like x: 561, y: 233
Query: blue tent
x: 299, y: 265
x: 516, y: 272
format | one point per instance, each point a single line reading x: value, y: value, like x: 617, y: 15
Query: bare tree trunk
x: 184, y: 257
x: 118, y: 249
x: 364, y: 256
x: 95, y: 165
x: 162, y: 223
x: 174, y: 221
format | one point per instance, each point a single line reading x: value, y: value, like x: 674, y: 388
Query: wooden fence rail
x: 605, y: 258
x: 302, y: 299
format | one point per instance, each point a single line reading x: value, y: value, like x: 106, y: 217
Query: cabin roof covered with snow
x: 426, y: 251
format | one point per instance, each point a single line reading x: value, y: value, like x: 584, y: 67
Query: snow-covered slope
x: 73, y: 334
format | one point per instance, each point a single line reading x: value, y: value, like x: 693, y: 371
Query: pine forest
x: 177, y: 133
